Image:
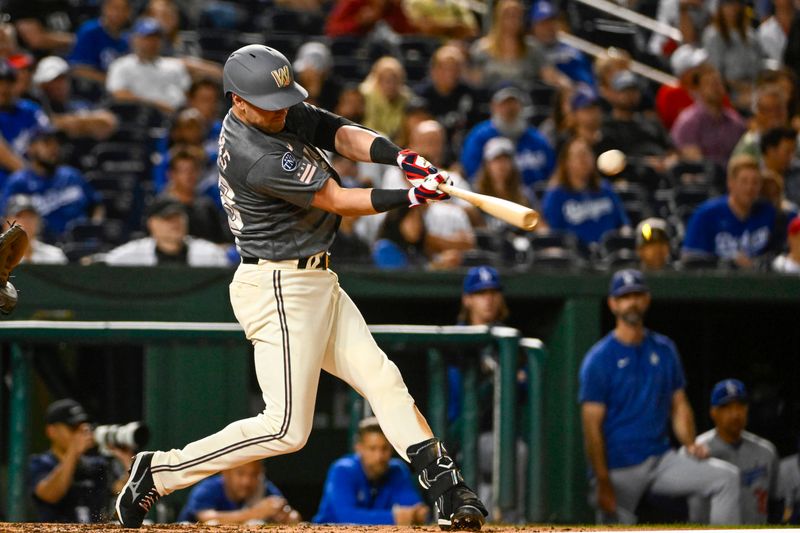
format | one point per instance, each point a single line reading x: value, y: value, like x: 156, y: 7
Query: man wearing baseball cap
x: 145, y: 75
x: 544, y: 26
x: 66, y: 484
x: 632, y: 390
x: 652, y: 244
x: 756, y: 458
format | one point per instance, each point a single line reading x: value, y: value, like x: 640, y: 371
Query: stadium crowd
x: 110, y: 112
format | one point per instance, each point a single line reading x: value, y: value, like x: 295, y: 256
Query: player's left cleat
x: 457, y: 506
x: 139, y: 493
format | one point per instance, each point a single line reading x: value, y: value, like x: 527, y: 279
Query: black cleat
x: 459, y: 509
x: 139, y: 493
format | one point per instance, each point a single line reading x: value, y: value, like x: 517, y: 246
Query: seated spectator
x: 579, y: 201
x: 448, y: 19
x: 535, y: 157
x: 632, y: 390
x: 606, y: 66
x: 71, y: 115
x: 206, y: 221
x: 633, y: 132
x: 772, y: 33
x: 770, y: 110
x: 777, y: 149
x: 385, y: 96
x: 100, y: 41
x: 20, y: 209
x: 241, y: 495
x: 789, y: 488
x: 313, y: 70
x: 169, y: 242
x: 734, y: 50
x: 400, y: 240
x: 145, y: 75
x: 689, y: 16
x: 351, y: 104
x: 707, y: 129
x: 755, y: 457
x: 687, y: 63
x: 23, y: 86
x: 498, y: 177
x: 18, y: 118
x: 789, y: 262
x: 204, y: 96
x: 60, y: 193
x: 448, y: 98
x: 178, y: 44
x: 359, y: 17
x: 569, y: 60
x: 189, y: 128
x: 66, y: 483
x: 369, y: 486
x: 44, y: 27
x: 585, y: 119
x: 736, y: 226
x: 507, y: 54
x: 653, y: 245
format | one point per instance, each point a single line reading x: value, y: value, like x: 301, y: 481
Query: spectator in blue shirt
x: 632, y: 387
x: 17, y: 119
x: 569, y: 60
x: 100, y: 41
x: 60, y: 193
x: 66, y: 483
x: 238, y: 496
x: 535, y: 157
x: 580, y: 202
x: 369, y: 487
x: 735, y: 227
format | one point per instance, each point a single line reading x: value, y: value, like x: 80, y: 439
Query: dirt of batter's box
x: 6, y: 527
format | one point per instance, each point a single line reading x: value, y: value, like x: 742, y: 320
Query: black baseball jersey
x: 267, y: 182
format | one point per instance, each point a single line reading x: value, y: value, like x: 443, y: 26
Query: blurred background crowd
x: 110, y: 112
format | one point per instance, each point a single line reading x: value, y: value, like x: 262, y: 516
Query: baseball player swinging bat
x: 507, y: 211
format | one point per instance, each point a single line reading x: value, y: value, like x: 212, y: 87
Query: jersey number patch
x: 227, y: 196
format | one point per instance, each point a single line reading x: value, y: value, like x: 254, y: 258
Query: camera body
x: 133, y: 436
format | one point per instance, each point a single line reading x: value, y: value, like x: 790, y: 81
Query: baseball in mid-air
x: 611, y: 162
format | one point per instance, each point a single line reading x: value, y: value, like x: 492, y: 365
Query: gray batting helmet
x: 262, y: 76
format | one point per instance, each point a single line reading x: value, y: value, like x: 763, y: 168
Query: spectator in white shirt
x: 145, y: 75
x: 20, y: 209
x: 169, y: 242
x: 789, y: 263
x: 773, y: 31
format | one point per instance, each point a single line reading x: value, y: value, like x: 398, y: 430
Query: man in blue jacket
x: 369, y: 487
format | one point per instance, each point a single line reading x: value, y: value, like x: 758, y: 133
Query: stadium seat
x: 556, y: 259
x: 699, y: 263
x: 622, y: 258
x: 472, y: 258
x: 541, y: 240
x: 616, y: 240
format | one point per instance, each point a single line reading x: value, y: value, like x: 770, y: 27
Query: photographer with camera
x: 67, y: 484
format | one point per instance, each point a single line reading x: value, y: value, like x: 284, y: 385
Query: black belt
x: 302, y: 263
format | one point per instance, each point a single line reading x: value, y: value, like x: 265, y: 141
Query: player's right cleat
x: 139, y: 493
x: 457, y: 506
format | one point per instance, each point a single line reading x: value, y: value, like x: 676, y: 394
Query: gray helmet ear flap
x: 262, y: 76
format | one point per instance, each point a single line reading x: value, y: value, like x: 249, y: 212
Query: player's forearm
x: 358, y: 202
x: 683, y: 424
x: 596, y: 451
x: 361, y: 144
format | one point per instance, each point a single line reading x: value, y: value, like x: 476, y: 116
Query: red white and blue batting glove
x: 428, y: 191
x: 415, y: 167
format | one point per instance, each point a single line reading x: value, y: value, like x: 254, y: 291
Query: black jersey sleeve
x: 315, y: 126
x: 283, y: 175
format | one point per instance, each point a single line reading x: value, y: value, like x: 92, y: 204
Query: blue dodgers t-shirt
x: 87, y: 496
x: 59, y: 199
x: 209, y: 494
x: 16, y: 123
x: 636, y: 384
x: 348, y: 497
x: 714, y: 229
x: 535, y: 157
x: 94, y: 46
x: 588, y: 214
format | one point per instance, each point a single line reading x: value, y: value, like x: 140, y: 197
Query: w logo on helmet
x: 282, y: 76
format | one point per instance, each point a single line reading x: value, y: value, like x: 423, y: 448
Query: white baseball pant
x: 299, y: 321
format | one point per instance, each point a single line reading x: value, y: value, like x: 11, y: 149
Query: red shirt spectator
x: 358, y: 17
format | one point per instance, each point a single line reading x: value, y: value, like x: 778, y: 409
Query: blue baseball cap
x: 727, y: 391
x: 543, y: 10
x: 627, y: 281
x: 147, y: 26
x: 46, y: 131
x: 481, y: 278
x: 584, y: 97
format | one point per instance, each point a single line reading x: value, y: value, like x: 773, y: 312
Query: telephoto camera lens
x: 133, y: 435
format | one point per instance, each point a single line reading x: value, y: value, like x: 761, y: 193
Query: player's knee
x: 295, y: 440
x: 725, y: 475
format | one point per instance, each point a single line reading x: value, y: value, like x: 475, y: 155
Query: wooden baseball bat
x: 518, y: 215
